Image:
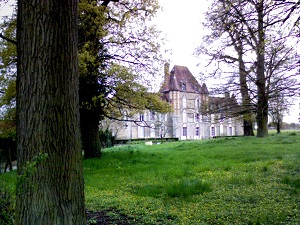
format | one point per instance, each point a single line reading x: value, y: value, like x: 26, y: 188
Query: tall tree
x: 111, y: 34
x: 92, y: 59
x: 50, y: 187
x: 249, y: 27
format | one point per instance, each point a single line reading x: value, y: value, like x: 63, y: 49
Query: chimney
x: 227, y: 95
x: 165, y: 84
x: 167, y: 69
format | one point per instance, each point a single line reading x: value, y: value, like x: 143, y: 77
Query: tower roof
x: 181, y: 79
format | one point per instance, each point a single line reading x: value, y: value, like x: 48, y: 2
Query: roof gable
x: 181, y: 79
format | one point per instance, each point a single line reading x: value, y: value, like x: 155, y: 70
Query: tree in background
x: 8, y: 74
x: 8, y: 148
x: 92, y: 60
x: 245, y: 31
x: 114, y: 57
x: 277, y: 108
x: 50, y: 187
x: 111, y: 35
x: 8, y: 151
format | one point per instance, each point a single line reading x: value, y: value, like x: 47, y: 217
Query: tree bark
x: 8, y: 164
x: 246, y: 102
x: 50, y: 186
x: 89, y: 122
x: 278, y: 126
x: 262, y: 100
x: 92, y: 85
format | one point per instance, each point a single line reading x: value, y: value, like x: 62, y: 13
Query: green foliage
x: 30, y: 168
x: 8, y: 60
x: 106, y: 138
x: 6, y: 206
x: 108, y: 82
x: 129, y: 95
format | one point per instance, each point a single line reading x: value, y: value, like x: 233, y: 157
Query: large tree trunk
x: 89, y: 121
x: 248, y: 128
x: 246, y: 103
x: 262, y: 100
x: 50, y: 186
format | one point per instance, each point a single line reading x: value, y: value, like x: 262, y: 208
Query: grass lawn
x: 245, y: 180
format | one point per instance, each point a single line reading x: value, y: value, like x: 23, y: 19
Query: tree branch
x: 106, y: 2
x: 8, y: 39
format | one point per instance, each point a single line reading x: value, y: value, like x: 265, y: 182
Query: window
x: 230, y: 131
x: 197, y: 104
x: 141, y: 117
x: 197, y: 117
x: 183, y: 87
x: 184, y: 131
x: 197, y: 131
x: 162, y: 131
x: 213, y: 134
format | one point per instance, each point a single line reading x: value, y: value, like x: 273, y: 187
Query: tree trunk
x: 246, y: 103
x: 91, y: 84
x: 248, y: 128
x: 8, y: 161
x: 89, y: 122
x: 278, y: 126
x: 262, y: 100
x: 50, y: 187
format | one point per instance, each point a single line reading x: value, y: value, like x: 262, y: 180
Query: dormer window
x: 183, y: 87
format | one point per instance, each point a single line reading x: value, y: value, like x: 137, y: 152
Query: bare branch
x: 8, y: 39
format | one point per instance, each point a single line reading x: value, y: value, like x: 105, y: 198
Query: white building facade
x: 191, y: 119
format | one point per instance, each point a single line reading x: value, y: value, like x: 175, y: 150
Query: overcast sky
x: 181, y: 22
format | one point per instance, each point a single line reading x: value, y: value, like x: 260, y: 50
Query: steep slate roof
x: 181, y: 79
x: 223, y: 104
x: 204, y: 89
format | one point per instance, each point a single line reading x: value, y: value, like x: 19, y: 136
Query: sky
x: 181, y: 22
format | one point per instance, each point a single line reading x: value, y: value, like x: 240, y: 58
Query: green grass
x: 220, y: 181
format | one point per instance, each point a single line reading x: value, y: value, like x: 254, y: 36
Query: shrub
x: 106, y: 138
x: 6, y: 206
